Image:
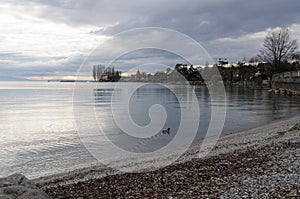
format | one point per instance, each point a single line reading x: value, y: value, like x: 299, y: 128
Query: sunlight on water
x: 38, y: 132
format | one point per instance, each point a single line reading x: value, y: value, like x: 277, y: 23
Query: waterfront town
x: 253, y: 74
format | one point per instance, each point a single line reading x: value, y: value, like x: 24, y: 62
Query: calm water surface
x: 38, y: 131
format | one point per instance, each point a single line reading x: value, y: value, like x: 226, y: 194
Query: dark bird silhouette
x: 166, y: 131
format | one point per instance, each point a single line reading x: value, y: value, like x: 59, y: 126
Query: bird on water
x: 166, y: 131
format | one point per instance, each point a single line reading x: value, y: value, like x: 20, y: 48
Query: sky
x: 51, y: 39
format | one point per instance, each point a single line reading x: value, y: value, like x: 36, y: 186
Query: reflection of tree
x: 103, y: 96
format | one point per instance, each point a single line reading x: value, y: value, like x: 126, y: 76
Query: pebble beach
x: 263, y: 162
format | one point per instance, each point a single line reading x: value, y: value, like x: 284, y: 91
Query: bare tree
x: 278, y: 47
x: 254, y: 59
x: 94, y: 73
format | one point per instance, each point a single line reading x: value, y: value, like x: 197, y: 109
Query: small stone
x: 269, y: 164
x: 292, y: 194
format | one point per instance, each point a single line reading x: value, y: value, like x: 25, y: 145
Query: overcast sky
x: 50, y: 39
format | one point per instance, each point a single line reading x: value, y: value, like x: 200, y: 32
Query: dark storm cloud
x: 205, y: 20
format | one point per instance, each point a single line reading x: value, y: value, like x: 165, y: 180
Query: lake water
x: 39, y: 129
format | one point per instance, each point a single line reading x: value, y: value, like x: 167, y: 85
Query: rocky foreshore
x: 286, y: 91
x: 260, y: 163
x: 17, y: 186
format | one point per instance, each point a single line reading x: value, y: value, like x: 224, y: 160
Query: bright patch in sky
x: 39, y: 42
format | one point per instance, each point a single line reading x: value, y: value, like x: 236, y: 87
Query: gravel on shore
x: 259, y: 163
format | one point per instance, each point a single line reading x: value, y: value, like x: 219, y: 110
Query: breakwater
x: 287, y: 81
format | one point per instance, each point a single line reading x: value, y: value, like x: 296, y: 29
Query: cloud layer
x: 53, y: 37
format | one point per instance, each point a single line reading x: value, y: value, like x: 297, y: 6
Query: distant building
x: 222, y: 61
x: 138, y: 75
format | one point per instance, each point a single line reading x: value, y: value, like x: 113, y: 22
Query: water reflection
x: 38, y: 136
x: 139, y: 105
x: 246, y: 108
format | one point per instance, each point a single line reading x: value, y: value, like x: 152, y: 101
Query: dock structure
x: 287, y: 80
